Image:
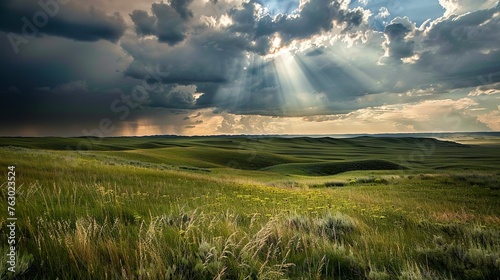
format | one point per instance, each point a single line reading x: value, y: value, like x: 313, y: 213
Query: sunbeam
x: 297, y: 93
x: 239, y: 60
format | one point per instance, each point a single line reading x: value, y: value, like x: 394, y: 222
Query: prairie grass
x: 80, y: 217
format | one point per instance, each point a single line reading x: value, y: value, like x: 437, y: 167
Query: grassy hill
x: 332, y: 168
x: 252, y: 208
x: 263, y: 152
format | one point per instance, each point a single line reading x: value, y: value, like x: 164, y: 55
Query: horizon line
x: 258, y: 135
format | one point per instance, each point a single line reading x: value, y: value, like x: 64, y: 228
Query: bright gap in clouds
x: 384, y: 11
x: 276, y: 48
x: 276, y: 42
x: 296, y: 92
x: 275, y: 7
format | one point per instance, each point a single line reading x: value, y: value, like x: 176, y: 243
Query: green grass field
x: 252, y: 208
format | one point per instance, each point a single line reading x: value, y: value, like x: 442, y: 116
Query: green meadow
x: 252, y: 208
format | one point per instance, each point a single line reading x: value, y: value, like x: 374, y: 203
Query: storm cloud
x: 168, y: 22
x: 252, y: 64
x: 59, y: 18
x: 313, y: 17
x: 397, y: 46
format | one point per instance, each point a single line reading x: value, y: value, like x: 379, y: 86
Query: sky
x: 211, y: 67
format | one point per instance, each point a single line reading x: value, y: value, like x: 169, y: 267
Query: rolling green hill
x: 277, y: 154
x: 332, y: 168
x: 252, y: 208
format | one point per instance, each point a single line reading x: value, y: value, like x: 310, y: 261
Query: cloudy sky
x: 199, y: 67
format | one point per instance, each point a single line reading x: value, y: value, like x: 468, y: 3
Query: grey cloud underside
x: 82, y: 24
x: 61, y: 108
x: 172, y: 97
x: 75, y: 114
x: 261, y: 92
x: 212, y: 59
x: 49, y: 61
x: 398, y: 47
x: 463, y: 51
x: 475, y: 31
x: 316, y: 16
x: 209, y: 57
x: 181, y: 6
x: 227, y: 64
x: 168, y: 22
x: 452, y: 53
x: 418, y: 10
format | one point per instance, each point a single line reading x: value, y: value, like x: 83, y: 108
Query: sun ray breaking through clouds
x: 234, y: 66
x: 294, y: 87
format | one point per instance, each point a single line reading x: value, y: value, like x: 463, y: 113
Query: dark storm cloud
x: 397, y: 46
x: 72, y: 110
x: 206, y: 61
x: 144, y: 23
x: 181, y: 6
x: 212, y: 59
x: 30, y: 18
x: 231, y: 63
x: 208, y: 58
x: 175, y: 97
x: 168, y: 22
x: 49, y: 61
x: 207, y: 99
x: 243, y: 18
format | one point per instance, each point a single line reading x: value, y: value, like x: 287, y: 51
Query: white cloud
x: 251, y: 124
x: 383, y: 12
x: 492, y: 119
x: 458, y: 7
x: 429, y: 115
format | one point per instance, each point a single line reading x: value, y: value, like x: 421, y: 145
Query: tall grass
x: 80, y: 218
x: 189, y: 246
